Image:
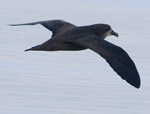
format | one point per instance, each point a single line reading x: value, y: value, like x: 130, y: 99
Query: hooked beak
x: 114, y: 33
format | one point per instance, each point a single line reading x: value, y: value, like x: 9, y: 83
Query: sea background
x: 72, y: 82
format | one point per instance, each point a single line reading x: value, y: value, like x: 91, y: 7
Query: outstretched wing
x: 56, y: 26
x: 117, y: 58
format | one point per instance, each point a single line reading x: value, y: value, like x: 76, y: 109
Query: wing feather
x: 56, y: 26
x: 117, y: 58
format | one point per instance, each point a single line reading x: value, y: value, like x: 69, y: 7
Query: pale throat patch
x: 108, y: 33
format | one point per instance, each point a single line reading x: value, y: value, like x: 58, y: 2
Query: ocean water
x: 72, y: 82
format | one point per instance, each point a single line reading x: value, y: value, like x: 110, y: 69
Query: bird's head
x: 104, y: 30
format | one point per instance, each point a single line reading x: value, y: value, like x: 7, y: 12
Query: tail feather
x: 35, y: 48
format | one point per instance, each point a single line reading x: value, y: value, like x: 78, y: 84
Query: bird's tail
x: 35, y: 48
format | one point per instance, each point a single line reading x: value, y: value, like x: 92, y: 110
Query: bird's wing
x: 56, y: 26
x: 117, y: 58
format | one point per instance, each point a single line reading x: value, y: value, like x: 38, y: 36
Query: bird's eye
x: 107, y: 28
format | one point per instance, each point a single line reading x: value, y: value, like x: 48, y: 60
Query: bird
x: 69, y: 37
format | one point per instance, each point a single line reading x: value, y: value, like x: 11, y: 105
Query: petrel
x: 69, y: 37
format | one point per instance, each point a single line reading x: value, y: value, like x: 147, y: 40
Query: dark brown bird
x: 66, y: 36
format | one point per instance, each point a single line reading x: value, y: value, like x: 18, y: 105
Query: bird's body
x: 61, y: 40
x: 68, y: 37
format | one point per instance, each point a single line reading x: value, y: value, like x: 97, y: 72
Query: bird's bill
x: 114, y: 33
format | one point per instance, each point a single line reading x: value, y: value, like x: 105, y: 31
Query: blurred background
x: 71, y: 82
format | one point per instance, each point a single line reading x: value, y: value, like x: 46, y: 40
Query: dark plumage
x: 67, y: 36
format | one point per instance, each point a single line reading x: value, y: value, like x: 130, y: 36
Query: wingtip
x: 13, y: 24
x: 27, y: 50
x: 10, y: 24
x: 136, y: 83
x: 137, y: 86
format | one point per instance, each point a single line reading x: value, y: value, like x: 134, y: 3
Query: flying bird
x: 69, y: 37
